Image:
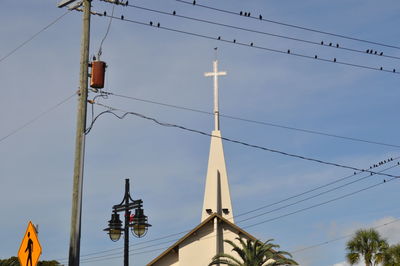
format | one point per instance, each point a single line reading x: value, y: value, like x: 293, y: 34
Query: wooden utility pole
x: 75, y: 236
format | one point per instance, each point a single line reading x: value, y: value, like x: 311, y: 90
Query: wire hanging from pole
x: 105, y: 36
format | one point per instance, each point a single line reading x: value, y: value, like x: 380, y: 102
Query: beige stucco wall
x: 230, y: 234
x: 170, y: 259
x: 198, y: 249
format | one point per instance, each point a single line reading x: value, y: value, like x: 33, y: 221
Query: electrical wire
x: 337, y: 46
x: 339, y: 238
x: 133, y: 245
x: 252, y: 45
x: 260, y: 17
x: 36, y: 118
x: 282, y: 216
x: 311, y: 197
x: 308, y: 247
x: 117, y: 257
x: 134, y: 251
x: 186, y: 231
x: 32, y: 37
x: 321, y: 204
x: 314, y: 206
x: 310, y: 190
x: 111, y: 109
x: 253, y: 121
x: 99, y: 53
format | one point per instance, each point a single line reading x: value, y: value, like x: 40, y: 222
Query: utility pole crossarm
x: 65, y: 3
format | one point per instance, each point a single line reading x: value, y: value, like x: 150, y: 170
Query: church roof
x: 239, y: 230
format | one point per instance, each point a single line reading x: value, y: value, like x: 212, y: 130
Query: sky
x: 167, y: 166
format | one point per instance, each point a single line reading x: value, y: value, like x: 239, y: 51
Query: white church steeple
x: 217, y: 197
x: 200, y: 245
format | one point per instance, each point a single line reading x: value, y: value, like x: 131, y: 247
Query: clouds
x: 167, y: 167
x: 347, y: 264
x: 389, y: 228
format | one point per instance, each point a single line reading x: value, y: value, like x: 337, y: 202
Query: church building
x: 200, y: 245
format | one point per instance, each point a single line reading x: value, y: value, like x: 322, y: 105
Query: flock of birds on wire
x: 248, y: 14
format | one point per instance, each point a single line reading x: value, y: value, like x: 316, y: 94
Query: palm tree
x: 367, y: 244
x: 253, y: 253
x: 392, y: 256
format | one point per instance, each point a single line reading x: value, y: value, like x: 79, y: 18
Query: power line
x: 253, y: 121
x: 132, y: 245
x: 277, y: 217
x: 314, y: 206
x: 32, y: 37
x: 134, y: 251
x: 260, y: 17
x: 36, y: 118
x: 117, y: 257
x: 186, y: 231
x: 310, y: 197
x: 99, y: 53
x: 311, y: 190
x: 326, y: 44
x: 339, y: 238
x: 228, y: 140
x: 320, y: 204
x: 252, y: 45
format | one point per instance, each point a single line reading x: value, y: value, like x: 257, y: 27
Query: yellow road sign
x: 30, y: 249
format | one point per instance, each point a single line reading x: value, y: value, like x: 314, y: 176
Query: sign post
x: 30, y: 249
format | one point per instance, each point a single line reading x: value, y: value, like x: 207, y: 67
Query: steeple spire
x: 217, y: 197
x: 215, y: 74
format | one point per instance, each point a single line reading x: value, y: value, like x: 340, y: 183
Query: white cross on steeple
x: 215, y: 74
x: 217, y: 197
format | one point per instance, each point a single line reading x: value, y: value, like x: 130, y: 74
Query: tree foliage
x: 366, y: 245
x: 13, y: 261
x: 392, y: 256
x: 253, y: 253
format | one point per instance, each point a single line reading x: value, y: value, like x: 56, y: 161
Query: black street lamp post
x: 138, y: 223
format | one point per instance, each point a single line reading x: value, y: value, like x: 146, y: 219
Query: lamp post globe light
x: 115, y: 227
x: 138, y: 223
